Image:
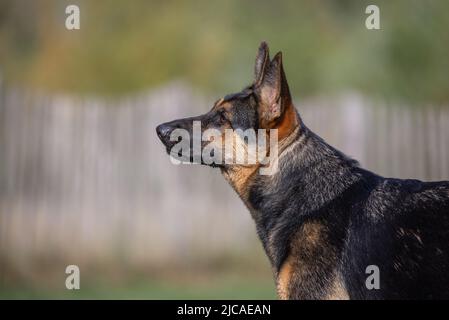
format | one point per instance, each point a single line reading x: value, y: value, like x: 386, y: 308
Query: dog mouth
x: 167, y: 148
x: 164, y: 136
x: 167, y: 145
x: 188, y: 158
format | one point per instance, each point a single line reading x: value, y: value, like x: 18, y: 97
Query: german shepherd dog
x: 324, y: 221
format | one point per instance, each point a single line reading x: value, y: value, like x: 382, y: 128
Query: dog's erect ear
x: 273, y: 92
x: 262, y: 60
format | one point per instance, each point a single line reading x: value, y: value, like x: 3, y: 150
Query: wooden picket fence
x: 88, y: 179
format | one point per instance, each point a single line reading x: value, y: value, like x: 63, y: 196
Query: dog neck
x: 306, y: 165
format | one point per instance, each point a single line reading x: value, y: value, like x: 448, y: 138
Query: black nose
x: 163, y: 131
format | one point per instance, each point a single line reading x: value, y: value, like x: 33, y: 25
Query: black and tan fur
x: 321, y: 218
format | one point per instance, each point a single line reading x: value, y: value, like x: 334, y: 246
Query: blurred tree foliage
x: 126, y: 46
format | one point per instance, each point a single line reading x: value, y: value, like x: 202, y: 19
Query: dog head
x: 264, y: 106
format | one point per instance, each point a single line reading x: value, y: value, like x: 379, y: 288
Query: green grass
x: 212, y: 288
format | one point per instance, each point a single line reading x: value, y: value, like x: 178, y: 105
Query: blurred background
x: 85, y: 181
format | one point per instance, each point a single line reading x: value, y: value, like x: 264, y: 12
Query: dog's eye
x: 222, y: 115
